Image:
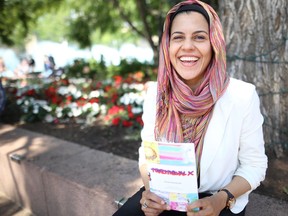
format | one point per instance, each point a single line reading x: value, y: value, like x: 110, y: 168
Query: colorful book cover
x: 172, y: 172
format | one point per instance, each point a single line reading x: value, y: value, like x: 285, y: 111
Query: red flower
x: 30, y: 92
x: 55, y: 100
x: 139, y: 120
x: 94, y: 100
x: 117, y: 80
x: 130, y: 115
x: 81, y: 102
x: 115, y: 110
x: 116, y: 121
x: 126, y: 123
x: 114, y: 98
x: 129, y: 80
x: 129, y: 109
x: 50, y: 92
x: 69, y: 97
x: 107, y: 88
x: 64, y: 82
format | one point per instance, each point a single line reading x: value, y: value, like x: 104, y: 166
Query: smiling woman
x: 195, y: 102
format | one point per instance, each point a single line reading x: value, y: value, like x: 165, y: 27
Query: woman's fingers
x: 148, y: 195
x: 206, y: 206
x: 152, y: 204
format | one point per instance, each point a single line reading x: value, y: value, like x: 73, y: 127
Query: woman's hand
x: 208, y: 206
x: 152, y: 205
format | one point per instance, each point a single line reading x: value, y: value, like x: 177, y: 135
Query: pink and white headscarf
x: 175, y: 98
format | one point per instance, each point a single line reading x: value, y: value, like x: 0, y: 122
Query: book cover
x: 172, y: 172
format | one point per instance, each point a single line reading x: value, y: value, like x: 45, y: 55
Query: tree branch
x: 126, y: 18
x: 142, y: 7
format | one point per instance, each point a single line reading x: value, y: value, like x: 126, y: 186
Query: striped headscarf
x: 175, y: 99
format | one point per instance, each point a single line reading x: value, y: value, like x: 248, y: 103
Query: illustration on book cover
x: 172, y: 172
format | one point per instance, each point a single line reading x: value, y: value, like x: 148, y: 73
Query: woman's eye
x: 177, y: 37
x: 200, y: 37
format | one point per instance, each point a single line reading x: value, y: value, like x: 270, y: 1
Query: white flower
x: 26, y: 102
x: 36, y: 109
x: 136, y: 110
x: 86, y: 107
x: 47, y: 108
x: 130, y: 98
x: 72, y: 89
x: 103, y: 108
x: 76, y: 112
x: 77, y: 94
x: 95, y: 108
x: 19, y: 101
x: 58, y: 112
x: 137, y: 86
x: 125, y: 86
x: 95, y: 93
x: 63, y: 90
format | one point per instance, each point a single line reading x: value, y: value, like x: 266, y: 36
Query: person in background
x: 2, y: 65
x: 49, y: 65
x: 4, y: 72
x: 195, y: 101
x: 2, y: 91
x: 22, y: 70
x: 31, y: 64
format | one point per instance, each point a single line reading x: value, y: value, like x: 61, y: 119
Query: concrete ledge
x: 62, y: 178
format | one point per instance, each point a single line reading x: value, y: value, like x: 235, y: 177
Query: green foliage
x: 53, y: 25
x: 18, y: 16
x: 98, y: 70
x: 82, y: 69
x: 135, y: 18
x: 131, y: 66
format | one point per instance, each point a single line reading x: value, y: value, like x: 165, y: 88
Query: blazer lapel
x: 215, y: 131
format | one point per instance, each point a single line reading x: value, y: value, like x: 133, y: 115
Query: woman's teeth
x: 188, y: 59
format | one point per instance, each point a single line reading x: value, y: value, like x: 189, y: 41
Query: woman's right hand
x: 152, y: 205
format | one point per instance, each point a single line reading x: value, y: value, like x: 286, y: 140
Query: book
x: 172, y: 172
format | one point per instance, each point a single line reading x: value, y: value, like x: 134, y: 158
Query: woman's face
x: 190, y: 50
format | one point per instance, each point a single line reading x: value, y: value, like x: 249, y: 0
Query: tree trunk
x: 256, y: 33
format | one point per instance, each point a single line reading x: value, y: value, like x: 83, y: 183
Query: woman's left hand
x: 208, y: 206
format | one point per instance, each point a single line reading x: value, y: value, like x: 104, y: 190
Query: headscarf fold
x: 176, y: 99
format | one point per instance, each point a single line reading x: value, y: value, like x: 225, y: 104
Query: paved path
x: 9, y: 208
x: 260, y: 205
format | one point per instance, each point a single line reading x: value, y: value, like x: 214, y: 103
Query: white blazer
x: 233, y: 144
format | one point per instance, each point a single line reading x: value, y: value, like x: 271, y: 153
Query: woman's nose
x: 188, y: 45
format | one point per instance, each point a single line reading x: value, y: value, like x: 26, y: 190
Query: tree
x: 18, y: 16
x: 122, y: 19
x: 256, y: 34
x: 141, y: 18
x: 130, y: 17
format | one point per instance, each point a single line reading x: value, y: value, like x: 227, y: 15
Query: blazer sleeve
x: 252, y: 158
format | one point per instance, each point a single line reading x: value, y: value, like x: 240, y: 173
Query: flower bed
x: 119, y: 100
